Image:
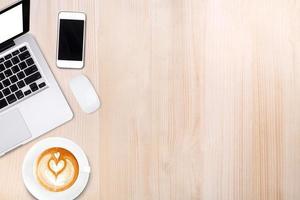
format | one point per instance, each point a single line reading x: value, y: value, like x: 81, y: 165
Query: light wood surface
x: 201, y: 99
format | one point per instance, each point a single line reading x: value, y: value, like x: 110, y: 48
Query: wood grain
x: 200, y: 99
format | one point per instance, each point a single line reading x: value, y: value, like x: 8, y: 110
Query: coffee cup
x: 54, y: 169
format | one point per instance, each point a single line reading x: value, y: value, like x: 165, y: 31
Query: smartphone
x: 71, y: 40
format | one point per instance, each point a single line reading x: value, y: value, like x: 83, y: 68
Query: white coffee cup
x: 40, y: 192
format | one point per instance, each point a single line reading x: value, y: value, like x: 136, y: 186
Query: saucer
x: 40, y: 192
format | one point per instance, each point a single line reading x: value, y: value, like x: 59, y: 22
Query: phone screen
x: 71, y: 40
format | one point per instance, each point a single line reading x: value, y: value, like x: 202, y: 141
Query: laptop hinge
x: 6, y: 45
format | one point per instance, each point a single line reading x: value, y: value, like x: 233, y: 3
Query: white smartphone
x: 71, y: 40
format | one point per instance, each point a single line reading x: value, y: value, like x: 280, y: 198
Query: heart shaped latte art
x: 56, y: 169
x: 56, y: 165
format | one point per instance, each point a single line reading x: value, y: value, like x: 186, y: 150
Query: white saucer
x: 36, y: 189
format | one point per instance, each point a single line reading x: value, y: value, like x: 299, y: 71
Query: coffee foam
x: 56, y: 169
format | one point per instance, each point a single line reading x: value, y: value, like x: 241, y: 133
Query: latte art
x: 56, y: 169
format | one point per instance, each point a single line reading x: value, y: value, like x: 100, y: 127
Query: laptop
x: 31, y: 102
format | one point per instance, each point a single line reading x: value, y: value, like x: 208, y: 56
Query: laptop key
x: 6, y: 92
x: 23, y: 48
x: 8, y: 56
x: 2, y: 68
x: 32, y: 78
x: 24, y: 55
x: 30, y: 70
x: 13, y: 88
x: 11, y: 99
x: 3, y: 103
x: 13, y: 79
x: 21, y: 84
x: 33, y: 87
x: 8, y: 64
x: 15, y: 69
x: 8, y: 73
x: 15, y: 60
x: 28, y: 92
x: 1, y: 60
x: 21, y: 75
x: 22, y: 65
x: 6, y: 83
x: 1, y: 87
x: 41, y: 85
x: 16, y: 52
x: 29, y: 62
x: 19, y: 94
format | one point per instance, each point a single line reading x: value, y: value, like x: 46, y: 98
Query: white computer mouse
x: 85, y: 94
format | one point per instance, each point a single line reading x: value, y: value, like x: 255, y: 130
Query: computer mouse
x: 85, y: 94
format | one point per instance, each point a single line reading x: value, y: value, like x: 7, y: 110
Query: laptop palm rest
x: 13, y: 130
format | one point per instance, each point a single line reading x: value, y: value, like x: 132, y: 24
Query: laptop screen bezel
x: 26, y: 17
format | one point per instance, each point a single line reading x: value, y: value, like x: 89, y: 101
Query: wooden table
x: 200, y: 99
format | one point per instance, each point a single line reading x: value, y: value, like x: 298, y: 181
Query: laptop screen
x: 11, y: 23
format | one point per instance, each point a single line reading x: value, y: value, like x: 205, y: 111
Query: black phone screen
x: 71, y: 39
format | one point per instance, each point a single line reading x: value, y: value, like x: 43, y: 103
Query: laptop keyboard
x: 19, y: 77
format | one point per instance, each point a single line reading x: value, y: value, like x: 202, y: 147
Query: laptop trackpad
x: 13, y: 130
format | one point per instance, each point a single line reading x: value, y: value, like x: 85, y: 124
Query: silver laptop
x: 31, y: 102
